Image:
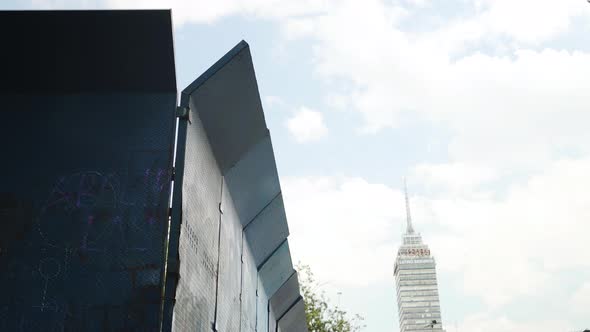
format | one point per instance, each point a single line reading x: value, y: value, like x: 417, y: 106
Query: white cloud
x: 307, y: 125
x: 498, y: 250
x: 485, y: 323
x: 517, y: 110
x: 455, y: 177
x: 581, y: 300
x: 201, y: 11
x: 272, y: 102
x: 516, y: 243
x: 344, y: 228
x: 531, y: 21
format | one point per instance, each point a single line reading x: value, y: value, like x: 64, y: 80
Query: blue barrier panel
x: 87, y: 164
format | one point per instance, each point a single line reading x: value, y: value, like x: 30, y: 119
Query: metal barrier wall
x: 246, y: 214
x: 87, y: 239
x: 87, y: 136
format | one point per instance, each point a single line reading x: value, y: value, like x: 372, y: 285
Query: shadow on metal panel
x: 254, y: 181
x: 285, y: 296
x: 268, y: 230
x: 294, y: 320
x: 227, y: 101
x: 87, y: 142
x: 276, y: 270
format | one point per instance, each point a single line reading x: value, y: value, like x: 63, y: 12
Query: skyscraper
x: 415, y: 278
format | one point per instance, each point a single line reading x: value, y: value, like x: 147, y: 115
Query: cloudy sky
x: 483, y: 104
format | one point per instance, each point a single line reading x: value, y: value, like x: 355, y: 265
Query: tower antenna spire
x: 410, y: 228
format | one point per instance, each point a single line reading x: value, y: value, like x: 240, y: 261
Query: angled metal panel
x: 248, y: 290
x: 277, y: 269
x: 230, y: 266
x: 227, y: 100
x: 85, y: 186
x: 199, y: 237
x: 268, y: 230
x: 294, y: 320
x: 254, y: 181
x: 286, y: 296
x: 273, y: 273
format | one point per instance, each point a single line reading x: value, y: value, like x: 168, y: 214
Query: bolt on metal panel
x: 85, y: 185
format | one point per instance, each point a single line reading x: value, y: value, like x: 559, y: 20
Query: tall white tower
x: 415, y: 278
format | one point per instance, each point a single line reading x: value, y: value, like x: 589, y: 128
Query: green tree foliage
x: 321, y: 315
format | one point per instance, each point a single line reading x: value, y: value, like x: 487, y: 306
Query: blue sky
x: 482, y: 104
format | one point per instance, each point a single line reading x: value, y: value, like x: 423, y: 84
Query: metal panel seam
x: 262, y: 210
x: 270, y: 255
x: 218, y: 259
x: 170, y: 284
x: 300, y: 298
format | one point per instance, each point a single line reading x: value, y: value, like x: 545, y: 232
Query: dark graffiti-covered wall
x: 100, y: 229
x: 86, y: 167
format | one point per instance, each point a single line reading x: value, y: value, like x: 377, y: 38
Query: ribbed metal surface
x: 230, y: 267
x: 198, y: 247
x: 261, y: 307
x: 249, y: 285
x: 225, y: 104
